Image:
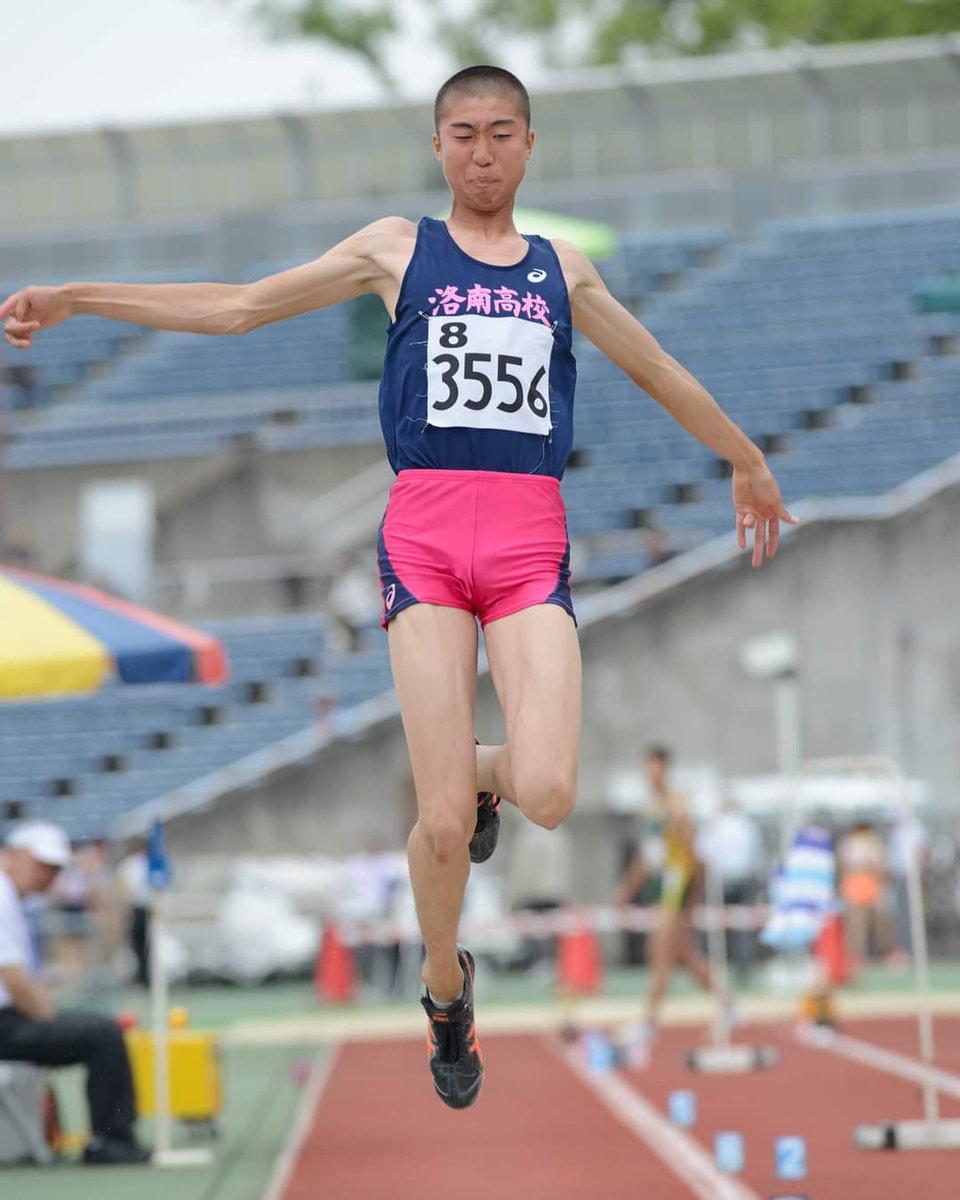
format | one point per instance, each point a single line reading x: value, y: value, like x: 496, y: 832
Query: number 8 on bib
x: 489, y: 373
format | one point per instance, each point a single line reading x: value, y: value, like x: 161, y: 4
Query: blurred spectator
x: 31, y: 1030
x: 133, y: 881
x: 354, y: 599
x: 70, y: 901
x: 370, y: 879
x: 731, y: 845
x: 324, y: 711
x: 862, y: 864
x: 83, y: 921
x: 657, y: 548
x: 906, y: 837
x: 539, y: 880
x: 104, y: 903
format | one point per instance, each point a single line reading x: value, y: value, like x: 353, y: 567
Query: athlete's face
x: 483, y: 145
x: 657, y: 771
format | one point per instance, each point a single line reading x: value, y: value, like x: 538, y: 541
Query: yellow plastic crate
x: 196, y: 1092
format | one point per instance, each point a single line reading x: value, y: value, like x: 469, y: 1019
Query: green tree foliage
x: 711, y: 26
x: 340, y: 23
x: 584, y: 32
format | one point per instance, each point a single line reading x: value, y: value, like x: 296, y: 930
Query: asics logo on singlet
x: 537, y: 276
x: 389, y: 596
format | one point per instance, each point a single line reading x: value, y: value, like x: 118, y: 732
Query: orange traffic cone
x: 830, y: 949
x: 579, y: 962
x: 334, y: 977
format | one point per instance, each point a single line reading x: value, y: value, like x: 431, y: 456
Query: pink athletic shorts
x: 491, y: 542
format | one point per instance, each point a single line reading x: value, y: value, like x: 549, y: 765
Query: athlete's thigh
x: 534, y: 658
x: 433, y: 653
x: 687, y: 949
x: 662, y: 941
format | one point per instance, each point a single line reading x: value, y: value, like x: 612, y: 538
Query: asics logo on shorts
x: 389, y: 596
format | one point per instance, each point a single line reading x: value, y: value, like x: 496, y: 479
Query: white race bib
x: 489, y: 373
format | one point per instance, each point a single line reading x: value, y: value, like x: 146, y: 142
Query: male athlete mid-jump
x: 476, y: 405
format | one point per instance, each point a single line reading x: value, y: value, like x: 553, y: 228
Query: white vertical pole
x: 919, y: 948
x: 789, y: 752
x: 717, y: 954
x: 158, y: 996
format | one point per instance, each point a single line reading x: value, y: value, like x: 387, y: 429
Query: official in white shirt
x: 30, y: 1028
x: 731, y: 845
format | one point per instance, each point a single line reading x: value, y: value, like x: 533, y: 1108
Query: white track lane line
x: 681, y: 1154
x: 881, y: 1060
x: 287, y: 1159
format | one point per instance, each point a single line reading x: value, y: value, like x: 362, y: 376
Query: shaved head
x: 482, y: 81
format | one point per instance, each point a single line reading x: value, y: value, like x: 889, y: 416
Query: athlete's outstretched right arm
x: 354, y: 266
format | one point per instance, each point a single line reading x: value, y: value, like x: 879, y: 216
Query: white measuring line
x: 679, y: 1152
x: 881, y: 1060
x: 287, y: 1160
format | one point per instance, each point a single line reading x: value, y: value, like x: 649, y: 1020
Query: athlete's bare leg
x: 688, y: 953
x: 493, y: 772
x: 534, y: 658
x: 672, y: 943
x: 433, y: 652
x: 661, y: 959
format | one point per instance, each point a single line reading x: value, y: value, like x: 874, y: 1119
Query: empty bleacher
x: 810, y: 340
x: 83, y: 761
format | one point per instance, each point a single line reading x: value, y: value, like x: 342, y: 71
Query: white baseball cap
x: 43, y: 840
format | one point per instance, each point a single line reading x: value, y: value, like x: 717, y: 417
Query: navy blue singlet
x: 479, y: 373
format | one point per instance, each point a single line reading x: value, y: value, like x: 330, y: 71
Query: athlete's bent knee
x: 446, y: 836
x: 548, y: 802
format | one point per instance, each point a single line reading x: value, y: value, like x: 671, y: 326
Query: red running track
x: 821, y: 1097
x: 379, y: 1133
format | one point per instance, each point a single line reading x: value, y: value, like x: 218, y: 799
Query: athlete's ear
x: 531, y: 138
x: 436, y: 147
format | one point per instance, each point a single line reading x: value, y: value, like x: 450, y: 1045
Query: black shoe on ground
x: 104, y: 1151
x: 456, y: 1063
x: 485, y: 836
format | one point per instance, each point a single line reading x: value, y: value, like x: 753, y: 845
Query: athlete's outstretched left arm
x: 621, y: 337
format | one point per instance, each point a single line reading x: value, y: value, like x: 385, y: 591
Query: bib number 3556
x: 489, y: 373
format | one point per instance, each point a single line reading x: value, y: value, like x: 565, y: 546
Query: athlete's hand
x: 31, y: 309
x: 759, y: 507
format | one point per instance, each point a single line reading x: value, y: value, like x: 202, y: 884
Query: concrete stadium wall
x: 873, y: 606
x: 255, y: 511
x: 242, y: 502
x: 716, y: 140
x: 41, y: 506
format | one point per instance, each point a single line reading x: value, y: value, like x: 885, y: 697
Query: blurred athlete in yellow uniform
x: 672, y: 941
